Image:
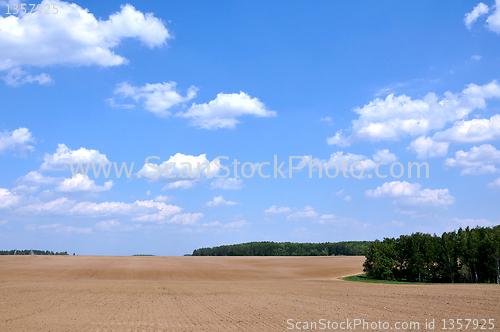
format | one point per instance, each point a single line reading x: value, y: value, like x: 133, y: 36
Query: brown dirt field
x: 86, y: 293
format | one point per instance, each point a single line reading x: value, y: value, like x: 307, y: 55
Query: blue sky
x: 194, y: 80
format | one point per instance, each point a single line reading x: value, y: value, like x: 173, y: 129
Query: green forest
x: 27, y: 252
x: 465, y: 256
x: 350, y: 248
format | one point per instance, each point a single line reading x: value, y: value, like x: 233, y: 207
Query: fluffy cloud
x: 163, y: 198
x: 17, y: 76
x: 82, y: 184
x: 479, y: 160
x: 275, y: 210
x: 479, y: 10
x: 229, y: 183
x: 74, y: 36
x: 400, y: 116
x: 59, y: 229
x: 171, y: 216
x: 139, y: 210
x: 306, y: 213
x: 218, y: 201
x: 158, y: 98
x: 180, y: 166
x: 495, y: 184
x: 61, y: 159
x: 184, y: 184
x: 412, y: 194
x: 223, y: 111
x: 384, y: 156
x: 426, y: 147
x: 493, y: 21
x: 32, y: 181
x: 18, y: 139
x: 367, y: 163
x: 185, y: 218
x: 8, y: 199
x: 472, y: 131
x: 339, y: 157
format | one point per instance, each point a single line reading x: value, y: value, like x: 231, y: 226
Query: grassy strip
x: 363, y: 278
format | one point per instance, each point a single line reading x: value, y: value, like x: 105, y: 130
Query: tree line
x: 466, y: 255
x: 27, y: 252
x: 350, y: 248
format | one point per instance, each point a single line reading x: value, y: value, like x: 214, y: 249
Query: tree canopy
x: 466, y: 255
x: 351, y: 248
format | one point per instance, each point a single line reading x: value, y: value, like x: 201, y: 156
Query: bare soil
x: 105, y: 293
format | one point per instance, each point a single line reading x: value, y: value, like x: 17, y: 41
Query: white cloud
x: 158, y: 98
x: 400, y: 116
x: 347, y: 198
x: 59, y: 229
x: 493, y: 21
x: 4, y: 222
x: 59, y: 161
x: 115, y: 226
x: 228, y: 183
x: 306, y: 213
x: 326, y: 119
x: 412, y: 194
x: 479, y: 160
x: 222, y: 112
x: 368, y: 164
x: 218, y: 201
x: 479, y: 10
x: 18, y: 139
x: 32, y: 181
x: 476, y: 57
x: 385, y: 156
x: 17, y: 76
x: 82, y: 184
x: 163, y: 198
x: 8, y: 199
x: 495, y: 184
x: 394, y: 189
x: 139, y: 210
x: 426, y: 147
x: 339, y: 157
x: 184, y: 184
x: 274, y: 209
x: 74, y: 36
x: 185, y: 218
x: 472, y: 131
x: 178, y: 168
